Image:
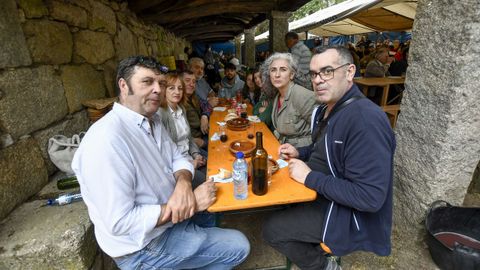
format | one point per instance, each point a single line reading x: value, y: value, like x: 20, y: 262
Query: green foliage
x: 305, y: 10
x: 311, y: 7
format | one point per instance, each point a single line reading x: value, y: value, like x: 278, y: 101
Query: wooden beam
x: 218, y: 35
x: 209, y: 9
x: 187, y: 31
x: 139, y: 6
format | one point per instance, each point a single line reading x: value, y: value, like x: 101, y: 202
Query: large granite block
x: 49, y: 42
x: 94, y: 47
x: 46, y: 238
x: 22, y: 174
x: 82, y: 83
x: 102, y: 18
x: 33, y: 99
x: 13, y: 48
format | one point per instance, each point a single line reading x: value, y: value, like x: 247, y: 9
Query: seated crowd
x: 337, y: 143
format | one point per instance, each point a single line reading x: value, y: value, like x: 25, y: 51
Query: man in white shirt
x: 137, y: 185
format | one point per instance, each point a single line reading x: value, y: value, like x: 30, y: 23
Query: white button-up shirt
x: 182, y: 128
x: 125, y: 173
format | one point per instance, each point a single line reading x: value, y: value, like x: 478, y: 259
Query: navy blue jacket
x: 360, y: 146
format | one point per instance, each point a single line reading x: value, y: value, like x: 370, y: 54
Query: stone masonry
x: 439, y: 126
x: 54, y: 55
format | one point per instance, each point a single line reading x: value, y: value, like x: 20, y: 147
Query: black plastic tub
x: 453, y: 236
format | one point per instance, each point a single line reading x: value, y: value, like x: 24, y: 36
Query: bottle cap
x: 50, y: 202
x: 239, y: 154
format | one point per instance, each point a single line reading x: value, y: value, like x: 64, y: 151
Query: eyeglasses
x: 325, y: 73
x: 150, y: 62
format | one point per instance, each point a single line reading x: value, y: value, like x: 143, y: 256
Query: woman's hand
x: 264, y: 106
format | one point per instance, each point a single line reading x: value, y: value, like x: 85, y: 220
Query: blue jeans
x: 188, y: 246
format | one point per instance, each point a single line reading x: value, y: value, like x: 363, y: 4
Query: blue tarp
x: 402, y: 36
x: 226, y: 47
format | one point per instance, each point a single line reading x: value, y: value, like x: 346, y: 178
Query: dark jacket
x: 194, y: 114
x: 360, y: 146
x: 246, y: 94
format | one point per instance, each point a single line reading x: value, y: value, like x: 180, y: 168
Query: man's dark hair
x: 188, y: 72
x: 344, y: 54
x: 126, y: 68
x: 230, y: 66
x: 291, y: 35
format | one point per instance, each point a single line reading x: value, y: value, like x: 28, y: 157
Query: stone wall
x: 439, y: 125
x: 54, y: 54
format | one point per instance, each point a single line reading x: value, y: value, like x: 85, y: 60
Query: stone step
x: 39, y: 237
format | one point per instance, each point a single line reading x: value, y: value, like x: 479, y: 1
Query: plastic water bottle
x: 240, y: 177
x: 65, y: 199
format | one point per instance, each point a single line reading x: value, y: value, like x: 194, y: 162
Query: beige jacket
x: 292, y: 121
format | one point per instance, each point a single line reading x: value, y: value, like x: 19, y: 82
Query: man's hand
x: 213, y: 101
x: 205, y: 195
x: 199, y: 161
x: 204, y: 124
x: 287, y: 151
x: 298, y: 170
x: 199, y: 141
x: 181, y: 205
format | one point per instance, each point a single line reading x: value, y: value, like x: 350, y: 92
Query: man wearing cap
x: 137, y: 184
x: 378, y: 67
x: 302, y: 54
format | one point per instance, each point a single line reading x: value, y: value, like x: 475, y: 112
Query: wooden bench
x: 392, y: 113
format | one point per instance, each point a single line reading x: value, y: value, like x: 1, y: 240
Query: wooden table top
x: 282, y: 190
x: 372, y: 81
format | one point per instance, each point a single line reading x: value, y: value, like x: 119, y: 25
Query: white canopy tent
x: 353, y: 17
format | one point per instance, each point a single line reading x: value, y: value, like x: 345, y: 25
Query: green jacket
x: 266, y: 115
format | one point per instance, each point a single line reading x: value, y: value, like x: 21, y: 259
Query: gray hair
x: 195, y: 60
x: 269, y: 90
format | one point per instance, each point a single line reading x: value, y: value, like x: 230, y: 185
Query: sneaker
x: 333, y: 265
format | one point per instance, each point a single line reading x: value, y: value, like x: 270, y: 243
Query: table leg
x: 386, y: 89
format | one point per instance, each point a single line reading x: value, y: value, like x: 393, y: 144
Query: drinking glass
x: 223, y: 133
x: 251, y: 130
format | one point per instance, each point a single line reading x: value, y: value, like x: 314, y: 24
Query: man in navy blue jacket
x: 349, y: 165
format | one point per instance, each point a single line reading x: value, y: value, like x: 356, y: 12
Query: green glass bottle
x: 260, y: 168
x: 68, y: 183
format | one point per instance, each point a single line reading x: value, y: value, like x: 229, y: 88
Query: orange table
x: 282, y: 190
x: 382, y: 82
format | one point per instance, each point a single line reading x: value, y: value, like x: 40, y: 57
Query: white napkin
x: 253, y: 118
x: 215, y: 137
x: 219, y: 109
x: 282, y: 163
x: 218, y: 179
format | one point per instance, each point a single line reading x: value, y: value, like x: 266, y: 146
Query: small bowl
x: 238, y: 124
x: 272, y: 163
x: 242, y: 146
